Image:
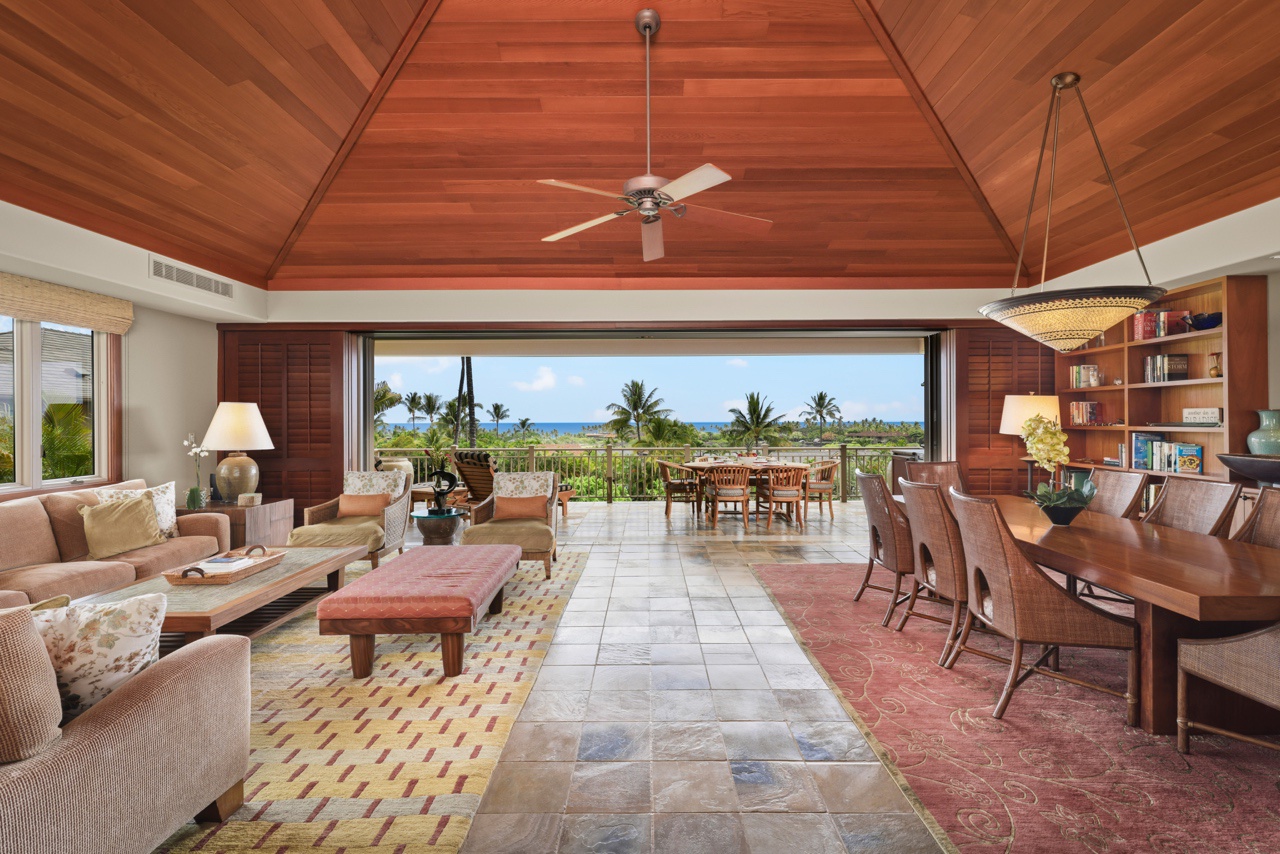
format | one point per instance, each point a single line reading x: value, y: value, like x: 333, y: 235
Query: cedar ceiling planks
x: 199, y: 129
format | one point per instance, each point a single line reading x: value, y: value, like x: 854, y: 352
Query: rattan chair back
x: 935, y: 537
x: 1199, y: 506
x: 890, y: 530
x: 1119, y: 492
x: 944, y: 474
x: 1262, y: 528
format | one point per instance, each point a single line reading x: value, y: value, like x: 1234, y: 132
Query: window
x: 52, y: 387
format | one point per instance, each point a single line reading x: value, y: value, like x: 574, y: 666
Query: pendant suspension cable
x: 648, y: 130
x: 1053, y: 171
x: 1035, y: 182
x: 1106, y: 167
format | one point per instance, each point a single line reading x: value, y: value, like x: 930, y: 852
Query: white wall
x: 170, y: 375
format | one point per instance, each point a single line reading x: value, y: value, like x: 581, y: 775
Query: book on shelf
x: 1086, y: 413
x: 1176, y: 457
x: 1166, y: 367
x: 1160, y: 324
x: 1085, y: 376
x: 1142, y: 449
x: 1190, y: 459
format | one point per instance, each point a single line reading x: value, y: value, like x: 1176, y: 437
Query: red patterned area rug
x: 1060, y: 772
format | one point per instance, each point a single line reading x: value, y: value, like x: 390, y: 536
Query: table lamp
x: 237, y: 427
x: 1019, y: 407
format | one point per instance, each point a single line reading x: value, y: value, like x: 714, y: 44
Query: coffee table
x: 440, y: 529
x: 249, y: 607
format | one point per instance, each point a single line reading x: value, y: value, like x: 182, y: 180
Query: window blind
x: 23, y: 298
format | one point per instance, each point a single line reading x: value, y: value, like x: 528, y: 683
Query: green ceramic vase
x: 1266, y: 439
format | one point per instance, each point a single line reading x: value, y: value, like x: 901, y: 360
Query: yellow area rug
x: 394, y: 763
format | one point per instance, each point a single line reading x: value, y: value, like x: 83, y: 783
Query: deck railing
x: 614, y: 473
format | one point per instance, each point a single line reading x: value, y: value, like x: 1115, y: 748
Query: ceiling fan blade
x: 552, y: 182
x: 726, y: 219
x: 703, y: 178
x: 651, y: 238
x: 582, y: 226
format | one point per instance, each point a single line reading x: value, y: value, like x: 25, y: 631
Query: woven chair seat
x: 727, y: 491
x: 782, y: 493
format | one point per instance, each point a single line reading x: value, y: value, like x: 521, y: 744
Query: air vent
x: 171, y: 272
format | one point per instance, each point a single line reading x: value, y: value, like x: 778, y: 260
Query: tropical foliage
x: 639, y: 405
x: 66, y: 441
x: 757, y: 423
x: 498, y: 413
x: 821, y: 408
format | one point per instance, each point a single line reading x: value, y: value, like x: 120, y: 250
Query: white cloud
x: 544, y: 379
x: 602, y: 415
x: 737, y: 363
x: 735, y: 404
x: 396, y: 381
x: 575, y: 380
x: 793, y: 414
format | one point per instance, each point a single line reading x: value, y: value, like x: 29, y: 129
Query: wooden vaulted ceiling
x: 397, y: 143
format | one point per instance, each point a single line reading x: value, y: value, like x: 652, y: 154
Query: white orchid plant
x: 1047, y: 445
x: 195, y: 451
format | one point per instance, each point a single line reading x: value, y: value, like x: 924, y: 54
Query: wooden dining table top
x: 748, y: 463
x: 1198, y: 576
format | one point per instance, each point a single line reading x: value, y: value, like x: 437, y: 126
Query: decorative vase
x: 1061, y: 515
x: 403, y: 464
x: 1266, y: 439
x: 195, y: 498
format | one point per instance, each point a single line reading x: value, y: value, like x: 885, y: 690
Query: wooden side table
x: 268, y: 524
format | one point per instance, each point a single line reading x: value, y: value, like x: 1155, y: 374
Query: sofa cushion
x: 75, y: 578
x: 522, y: 484
x: 510, y: 507
x: 532, y: 535
x: 170, y: 554
x: 362, y: 505
x: 347, y: 531
x: 29, y: 706
x: 121, y: 526
x: 161, y: 498
x: 374, y: 482
x: 25, y: 534
x: 64, y: 516
x: 13, y: 599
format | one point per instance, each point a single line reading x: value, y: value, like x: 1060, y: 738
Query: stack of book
x: 1166, y: 367
x: 1158, y: 324
x: 1152, y: 452
x: 1085, y: 413
x: 1085, y: 376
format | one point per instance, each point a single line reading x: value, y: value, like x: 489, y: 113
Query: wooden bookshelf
x: 1239, y: 392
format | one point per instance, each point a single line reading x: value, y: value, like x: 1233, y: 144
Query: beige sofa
x: 43, y: 552
x: 170, y: 744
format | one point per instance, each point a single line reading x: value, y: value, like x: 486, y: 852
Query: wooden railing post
x: 844, y: 472
x: 688, y: 453
x: 453, y: 449
x: 608, y: 473
x: 764, y: 449
x: 533, y: 458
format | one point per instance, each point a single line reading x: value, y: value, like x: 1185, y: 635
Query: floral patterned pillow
x: 523, y: 484
x: 97, y: 648
x: 161, y: 496
x: 373, y: 482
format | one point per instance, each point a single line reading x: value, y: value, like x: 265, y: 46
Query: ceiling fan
x: 649, y: 194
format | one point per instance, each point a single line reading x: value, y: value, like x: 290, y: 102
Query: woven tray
x: 191, y: 574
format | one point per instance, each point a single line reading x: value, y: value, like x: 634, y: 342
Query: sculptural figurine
x: 442, y: 483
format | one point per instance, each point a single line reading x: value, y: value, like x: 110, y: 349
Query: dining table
x: 757, y: 464
x: 1184, y: 585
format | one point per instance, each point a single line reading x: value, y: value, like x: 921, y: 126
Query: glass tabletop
x: 448, y: 513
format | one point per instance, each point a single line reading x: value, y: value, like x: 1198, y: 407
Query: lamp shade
x: 237, y: 427
x: 1019, y: 407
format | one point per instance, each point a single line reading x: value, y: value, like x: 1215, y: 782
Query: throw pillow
x: 120, y: 526
x: 362, y: 505
x: 46, y: 605
x: 369, y: 482
x: 97, y: 648
x: 161, y: 496
x: 506, y: 507
x: 29, y: 706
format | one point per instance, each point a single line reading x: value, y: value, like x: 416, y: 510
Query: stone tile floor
x: 675, y: 712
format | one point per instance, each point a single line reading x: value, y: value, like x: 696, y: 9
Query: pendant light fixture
x: 1067, y: 319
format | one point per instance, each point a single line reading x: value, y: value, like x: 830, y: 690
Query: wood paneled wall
x: 982, y: 366
x: 298, y: 379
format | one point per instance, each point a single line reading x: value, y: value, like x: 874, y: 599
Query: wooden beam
x: 634, y: 283
x: 389, y: 74
x: 899, y: 64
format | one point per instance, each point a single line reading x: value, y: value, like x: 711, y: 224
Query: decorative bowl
x: 1201, y: 322
x: 1060, y: 514
x: 1264, y: 468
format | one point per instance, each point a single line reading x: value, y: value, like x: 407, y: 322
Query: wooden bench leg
x: 362, y: 655
x: 495, y: 604
x: 546, y: 562
x: 451, y: 652
x: 225, y: 804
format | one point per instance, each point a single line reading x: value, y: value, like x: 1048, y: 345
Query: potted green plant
x: 196, y: 496
x: 1062, y: 502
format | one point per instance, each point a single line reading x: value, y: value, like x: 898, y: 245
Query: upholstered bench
x: 428, y: 590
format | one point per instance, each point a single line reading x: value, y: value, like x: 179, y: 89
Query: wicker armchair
x: 1245, y: 664
x: 1199, y: 506
x: 476, y: 468
x: 944, y: 474
x: 781, y: 487
x: 820, y: 486
x: 1262, y: 528
x: 535, y: 537
x: 680, y: 484
x: 381, y: 534
x: 1012, y: 596
x: 728, y: 485
x: 939, y: 557
x: 890, y: 539
x: 1119, y: 492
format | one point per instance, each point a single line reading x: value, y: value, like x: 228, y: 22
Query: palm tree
x: 431, y: 404
x: 758, y: 423
x: 471, y: 403
x: 821, y: 408
x: 498, y: 412
x: 449, y: 419
x: 383, y: 399
x: 639, y: 404
x: 524, y: 425
x: 66, y: 441
x: 413, y: 403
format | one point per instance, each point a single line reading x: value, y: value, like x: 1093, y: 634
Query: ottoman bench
x: 428, y: 590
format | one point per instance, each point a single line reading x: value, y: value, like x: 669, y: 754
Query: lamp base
x: 236, y: 473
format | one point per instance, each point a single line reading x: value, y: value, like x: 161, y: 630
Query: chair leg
x: 768, y: 522
x: 668, y: 505
x: 1131, y: 693
x: 893, y: 598
x: 911, y: 603
x: 1015, y: 665
x: 373, y: 560
x: 951, y: 633
x: 546, y: 562
x: 866, y: 580
x: 1184, y: 732
x: 227, y: 803
x: 963, y: 639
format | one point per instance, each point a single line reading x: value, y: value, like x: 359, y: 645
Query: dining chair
x: 1199, y: 506
x: 945, y: 474
x: 890, y: 539
x: 1244, y: 664
x: 1262, y: 528
x: 680, y: 484
x: 728, y: 485
x: 820, y: 486
x: 938, y: 554
x: 1012, y: 596
x: 781, y: 487
x: 1119, y: 492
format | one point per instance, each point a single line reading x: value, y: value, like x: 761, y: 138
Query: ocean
x: 562, y: 427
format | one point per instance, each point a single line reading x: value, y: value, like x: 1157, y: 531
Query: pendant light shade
x: 1066, y: 320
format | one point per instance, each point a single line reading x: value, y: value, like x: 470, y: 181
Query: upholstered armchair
x: 361, y: 516
x: 514, y: 515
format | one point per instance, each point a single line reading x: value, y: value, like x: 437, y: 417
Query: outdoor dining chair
x: 820, y: 486
x: 728, y: 485
x: 680, y: 484
x: 781, y: 488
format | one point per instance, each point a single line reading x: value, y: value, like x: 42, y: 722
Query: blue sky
x: 697, y: 388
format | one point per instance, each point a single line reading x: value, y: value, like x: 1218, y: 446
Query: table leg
x: 336, y: 579
x: 192, y: 637
x: 362, y: 647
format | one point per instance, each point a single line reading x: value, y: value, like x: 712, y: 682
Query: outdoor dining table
x: 700, y: 468
x: 1184, y: 585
